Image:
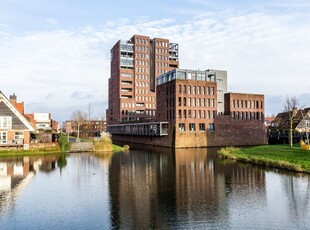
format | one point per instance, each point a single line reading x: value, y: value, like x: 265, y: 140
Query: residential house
x: 278, y: 131
x: 14, y: 127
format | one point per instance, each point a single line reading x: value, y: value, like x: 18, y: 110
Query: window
x: 189, y: 89
x: 3, y: 136
x: 19, y: 135
x: 192, y: 127
x: 202, y: 126
x: 194, y: 101
x: 184, y: 101
x: 5, y: 122
x: 211, y: 126
x: 126, y: 75
x: 181, y: 127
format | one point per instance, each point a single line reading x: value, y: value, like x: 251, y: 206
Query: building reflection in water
x: 297, y: 191
x: 16, y: 173
x: 142, y: 187
x: 167, y: 188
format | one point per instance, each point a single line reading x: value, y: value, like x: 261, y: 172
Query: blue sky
x: 54, y: 54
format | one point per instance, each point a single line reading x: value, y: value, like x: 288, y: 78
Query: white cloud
x: 60, y: 71
x: 52, y: 21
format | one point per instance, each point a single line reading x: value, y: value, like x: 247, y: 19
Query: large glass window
x: 180, y: 75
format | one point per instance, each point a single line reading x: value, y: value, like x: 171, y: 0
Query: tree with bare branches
x: 79, y: 118
x: 290, y: 107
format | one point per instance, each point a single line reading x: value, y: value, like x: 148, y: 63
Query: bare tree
x: 90, y: 112
x: 79, y: 118
x: 290, y: 107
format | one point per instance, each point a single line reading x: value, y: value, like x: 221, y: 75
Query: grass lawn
x: 21, y: 152
x: 277, y: 156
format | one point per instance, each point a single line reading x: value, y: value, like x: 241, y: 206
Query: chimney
x: 13, y: 99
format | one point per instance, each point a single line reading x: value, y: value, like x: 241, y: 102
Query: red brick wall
x: 231, y: 132
x: 242, y: 102
x: 228, y: 132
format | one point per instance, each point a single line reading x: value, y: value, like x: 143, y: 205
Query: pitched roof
x: 6, y: 101
x: 283, y: 118
x: 304, y: 123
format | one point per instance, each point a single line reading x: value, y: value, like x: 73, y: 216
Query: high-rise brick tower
x: 135, y: 64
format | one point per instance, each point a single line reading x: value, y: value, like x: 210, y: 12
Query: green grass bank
x: 32, y: 152
x: 276, y: 156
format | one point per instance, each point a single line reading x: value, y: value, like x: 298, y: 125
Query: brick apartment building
x: 189, y: 102
x: 193, y: 108
x: 189, y: 98
x: 132, y: 86
x: 245, y: 106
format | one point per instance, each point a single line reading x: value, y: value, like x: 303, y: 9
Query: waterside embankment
x: 276, y: 156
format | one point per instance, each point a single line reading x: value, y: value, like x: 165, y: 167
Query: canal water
x: 149, y: 189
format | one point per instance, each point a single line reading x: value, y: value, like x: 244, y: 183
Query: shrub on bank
x: 64, y: 145
x: 104, y: 144
x: 227, y: 153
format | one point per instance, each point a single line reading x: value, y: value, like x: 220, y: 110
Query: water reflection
x: 297, y: 192
x: 192, y: 188
x: 158, y: 188
x: 141, y: 188
x: 17, y: 172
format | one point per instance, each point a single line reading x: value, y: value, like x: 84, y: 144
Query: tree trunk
x: 78, y: 134
x: 291, y: 133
